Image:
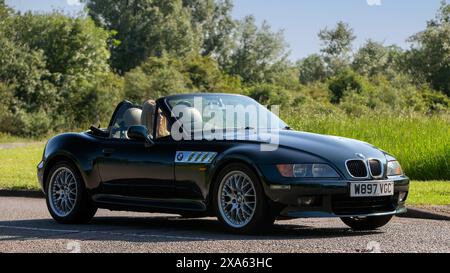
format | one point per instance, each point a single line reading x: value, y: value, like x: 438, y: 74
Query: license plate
x: 372, y: 189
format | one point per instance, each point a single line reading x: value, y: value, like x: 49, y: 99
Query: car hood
x: 328, y: 147
x: 333, y: 149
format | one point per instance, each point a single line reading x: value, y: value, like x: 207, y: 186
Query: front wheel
x: 367, y: 223
x: 67, y: 199
x: 240, y: 202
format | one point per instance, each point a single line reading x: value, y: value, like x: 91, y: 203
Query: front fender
x: 261, y: 162
x: 80, y: 149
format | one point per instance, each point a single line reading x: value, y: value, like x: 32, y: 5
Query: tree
x: 257, y: 52
x: 428, y: 60
x: 72, y: 47
x: 156, y: 77
x: 213, y: 18
x: 57, y: 68
x: 337, y: 46
x: 373, y: 58
x: 167, y: 75
x: 4, y: 10
x: 312, y: 69
x: 24, y: 69
x: 145, y: 28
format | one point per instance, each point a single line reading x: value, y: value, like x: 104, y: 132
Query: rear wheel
x: 367, y: 223
x: 240, y: 202
x: 67, y: 199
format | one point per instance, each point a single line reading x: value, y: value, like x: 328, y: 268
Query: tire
x: 244, y: 209
x: 368, y: 223
x: 66, y: 196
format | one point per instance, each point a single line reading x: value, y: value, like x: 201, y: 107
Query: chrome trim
x: 356, y: 177
x: 195, y: 157
x: 368, y: 169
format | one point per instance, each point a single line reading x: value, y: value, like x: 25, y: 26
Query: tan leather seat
x: 132, y: 117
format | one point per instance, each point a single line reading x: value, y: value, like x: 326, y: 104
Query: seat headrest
x: 192, y: 117
x: 132, y: 117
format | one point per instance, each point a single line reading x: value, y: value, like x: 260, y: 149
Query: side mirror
x: 140, y: 133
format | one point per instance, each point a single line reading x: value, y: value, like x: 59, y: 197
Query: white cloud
x: 374, y: 2
x: 73, y: 2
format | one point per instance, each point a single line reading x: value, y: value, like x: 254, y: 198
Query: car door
x: 130, y: 168
x: 193, y: 163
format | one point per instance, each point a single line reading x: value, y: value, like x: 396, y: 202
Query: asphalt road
x: 25, y: 226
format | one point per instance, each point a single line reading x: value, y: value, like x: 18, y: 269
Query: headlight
x: 394, y: 168
x: 307, y: 171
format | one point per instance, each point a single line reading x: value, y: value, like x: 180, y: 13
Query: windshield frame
x: 168, y: 99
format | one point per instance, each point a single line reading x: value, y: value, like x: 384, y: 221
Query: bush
x: 346, y: 81
x: 203, y: 74
x: 268, y: 94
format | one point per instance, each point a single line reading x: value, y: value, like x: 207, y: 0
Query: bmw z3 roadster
x: 221, y: 155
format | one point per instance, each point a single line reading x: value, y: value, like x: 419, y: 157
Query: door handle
x: 108, y: 151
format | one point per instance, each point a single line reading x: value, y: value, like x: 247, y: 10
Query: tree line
x: 60, y: 72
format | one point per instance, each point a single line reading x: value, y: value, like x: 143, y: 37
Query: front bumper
x: 332, y: 199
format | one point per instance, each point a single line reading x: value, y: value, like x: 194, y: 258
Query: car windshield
x: 221, y: 111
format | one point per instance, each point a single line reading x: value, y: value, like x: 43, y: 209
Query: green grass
x: 6, y: 138
x: 18, y: 167
x: 429, y: 193
x: 421, y: 144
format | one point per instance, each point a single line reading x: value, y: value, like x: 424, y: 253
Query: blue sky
x: 388, y: 21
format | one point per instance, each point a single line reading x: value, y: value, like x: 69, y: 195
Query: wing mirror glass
x: 140, y: 133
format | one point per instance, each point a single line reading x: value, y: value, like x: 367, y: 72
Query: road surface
x: 25, y: 226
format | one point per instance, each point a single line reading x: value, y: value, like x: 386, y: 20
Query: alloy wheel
x: 237, y: 199
x: 62, y: 192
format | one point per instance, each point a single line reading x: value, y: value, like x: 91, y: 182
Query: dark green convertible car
x: 218, y: 155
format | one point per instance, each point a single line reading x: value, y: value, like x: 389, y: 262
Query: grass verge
x: 429, y: 193
x: 18, y: 167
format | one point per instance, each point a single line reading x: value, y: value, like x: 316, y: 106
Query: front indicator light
x: 286, y: 170
x: 307, y: 171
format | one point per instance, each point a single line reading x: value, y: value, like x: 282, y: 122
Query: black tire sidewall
x: 262, y: 217
x: 83, y: 207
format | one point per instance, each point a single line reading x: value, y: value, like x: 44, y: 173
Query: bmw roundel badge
x: 180, y: 157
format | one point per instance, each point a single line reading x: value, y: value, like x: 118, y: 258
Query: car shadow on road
x: 161, y: 229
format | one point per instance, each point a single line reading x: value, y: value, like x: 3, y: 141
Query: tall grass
x: 420, y: 143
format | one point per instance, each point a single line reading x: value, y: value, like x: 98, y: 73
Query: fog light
x: 402, y: 196
x: 306, y: 201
